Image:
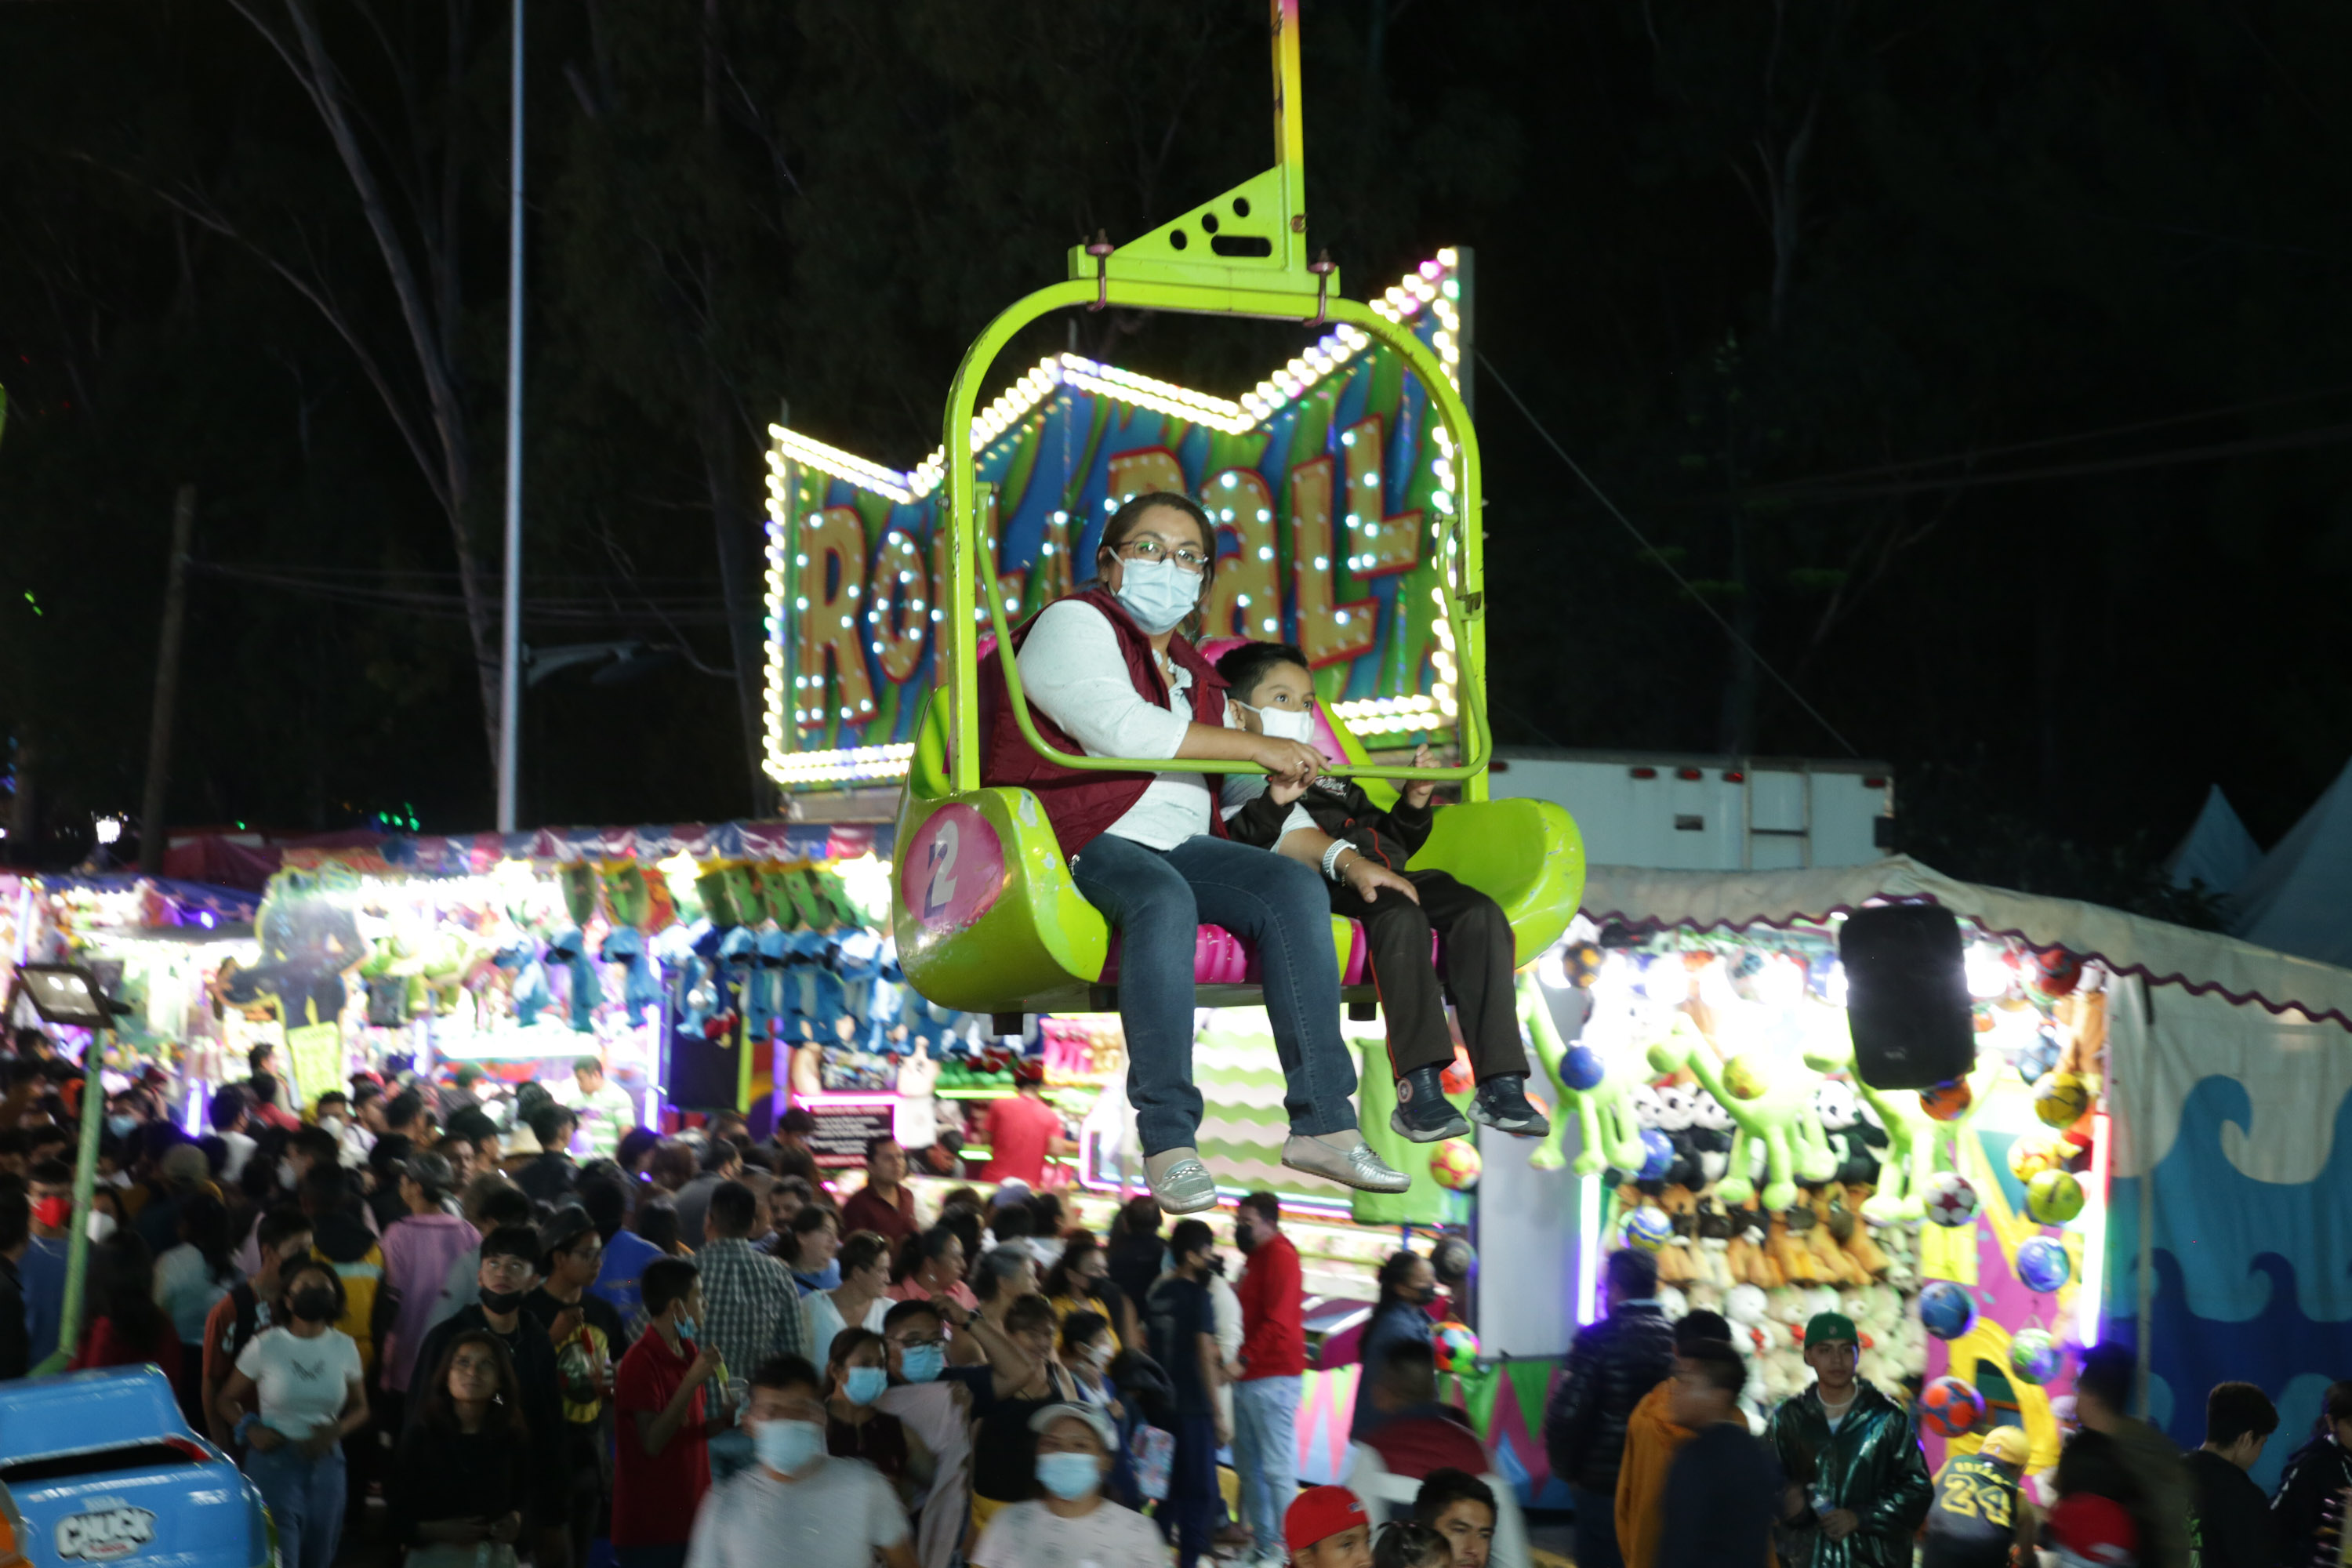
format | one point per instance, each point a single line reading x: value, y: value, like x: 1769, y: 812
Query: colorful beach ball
x: 1947, y: 1310
x: 1455, y: 1165
x: 1648, y: 1228
x: 2061, y: 1099
x: 1947, y: 1101
x: 1455, y: 1345
x: 2053, y: 1197
x: 2042, y: 1264
x: 1951, y: 1201
x: 1657, y: 1157
x: 2033, y: 1153
x: 1580, y: 1068
x: 2035, y: 1356
x: 1953, y: 1408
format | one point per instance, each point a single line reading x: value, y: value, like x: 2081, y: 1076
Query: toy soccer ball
x: 1658, y: 1155
x: 1946, y: 1309
x: 1457, y: 1078
x: 2034, y: 1154
x: 1452, y: 1258
x: 1580, y: 1068
x: 2053, y: 973
x: 1947, y: 1101
x: 2042, y: 1264
x: 1456, y: 1347
x: 1950, y: 1199
x: 2061, y: 1099
x: 1455, y: 1165
x: 2035, y: 1356
x: 1953, y: 1408
x: 2053, y: 1197
x: 1648, y: 1228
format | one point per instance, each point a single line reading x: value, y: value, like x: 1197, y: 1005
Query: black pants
x: 1478, y: 956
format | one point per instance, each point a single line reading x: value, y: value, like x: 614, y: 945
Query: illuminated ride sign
x: 1328, y: 482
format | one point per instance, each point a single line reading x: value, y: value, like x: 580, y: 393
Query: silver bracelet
x: 1331, y: 858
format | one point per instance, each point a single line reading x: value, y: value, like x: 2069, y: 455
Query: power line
x: 1659, y: 556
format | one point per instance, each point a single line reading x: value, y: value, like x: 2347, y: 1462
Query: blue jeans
x: 1187, y: 1514
x: 1596, y: 1529
x: 1157, y: 899
x: 1266, y: 1453
x: 306, y: 1500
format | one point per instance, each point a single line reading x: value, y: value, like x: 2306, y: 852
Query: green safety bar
x: 1464, y: 609
x: 1164, y: 271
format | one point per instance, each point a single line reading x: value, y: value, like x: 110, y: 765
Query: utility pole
x: 153, y: 835
x: 510, y: 639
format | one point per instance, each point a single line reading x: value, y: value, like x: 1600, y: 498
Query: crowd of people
x: 530, y: 1339
x: 1667, y: 1471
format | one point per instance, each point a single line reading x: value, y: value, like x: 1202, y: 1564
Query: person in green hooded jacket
x: 1854, y: 1455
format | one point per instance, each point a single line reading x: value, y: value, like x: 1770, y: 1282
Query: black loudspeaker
x: 1906, y: 996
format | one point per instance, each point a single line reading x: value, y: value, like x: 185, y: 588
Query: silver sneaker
x: 1180, y: 1182
x: 1345, y: 1158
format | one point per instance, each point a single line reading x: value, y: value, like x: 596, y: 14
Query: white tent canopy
x: 2217, y: 850
x: 2299, y: 899
x: 2156, y: 950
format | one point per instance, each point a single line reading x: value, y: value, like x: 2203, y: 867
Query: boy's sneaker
x: 1502, y: 1103
x: 1422, y: 1113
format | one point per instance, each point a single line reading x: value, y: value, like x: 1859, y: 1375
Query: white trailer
x: 1683, y: 812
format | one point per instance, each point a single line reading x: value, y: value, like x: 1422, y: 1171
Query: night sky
x: 1990, y: 369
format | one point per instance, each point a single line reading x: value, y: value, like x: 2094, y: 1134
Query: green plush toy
x: 1768, y: 1095
x: 1608, y: 1132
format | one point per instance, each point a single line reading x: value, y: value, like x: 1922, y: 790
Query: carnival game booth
x: 2144, y: 1150
x: 164, y: 948
x: 678, y: 955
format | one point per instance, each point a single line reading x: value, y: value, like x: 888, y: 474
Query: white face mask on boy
x: 1283, y: 724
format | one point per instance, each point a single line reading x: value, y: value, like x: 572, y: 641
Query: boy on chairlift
x: 1273, y: 693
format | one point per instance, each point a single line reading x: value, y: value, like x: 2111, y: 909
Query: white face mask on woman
x: 1158, y: 594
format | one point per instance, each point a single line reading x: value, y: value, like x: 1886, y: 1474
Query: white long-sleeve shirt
x: 1072, y: 669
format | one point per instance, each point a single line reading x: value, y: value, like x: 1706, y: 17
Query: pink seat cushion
x: 1220, y: 958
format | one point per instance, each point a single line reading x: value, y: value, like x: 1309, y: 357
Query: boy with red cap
x: 1328, y: 1528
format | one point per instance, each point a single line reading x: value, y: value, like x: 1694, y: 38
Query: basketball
x: 1454, y: 1165
x: 1951, y: 1200
x: 2053, y: 1197
x: 1947, y: 1101
x: 2061, y: 1099
x: 1952, y: 1407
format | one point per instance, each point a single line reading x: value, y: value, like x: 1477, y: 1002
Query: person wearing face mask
x: 1069, y: 1520
x: 1363, y: 849
x: 798, y: 1505
x: 1408, y: 1286
x: 859, y: 1373
x: 1087, y: 1351
x: 1107, y: 673
x: 509, y: 1268
x: 303, y: 1376
x: 42, y: 1271
x: 240, y: 1316
x: 935, y: 1403
x: 1182, y: 1322
x: 663, y: 1400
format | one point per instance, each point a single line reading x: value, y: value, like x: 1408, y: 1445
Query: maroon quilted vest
x: 1080, y: 802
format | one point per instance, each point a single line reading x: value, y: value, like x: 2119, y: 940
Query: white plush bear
x: 1672, y: 1302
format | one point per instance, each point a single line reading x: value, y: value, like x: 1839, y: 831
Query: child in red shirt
x: 661, y: 1453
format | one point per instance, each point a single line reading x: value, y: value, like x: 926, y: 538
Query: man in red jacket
x: 1273, y: 1357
